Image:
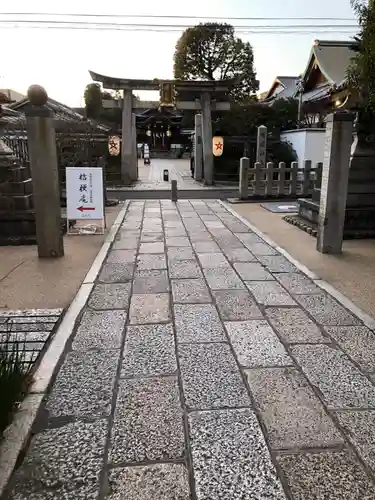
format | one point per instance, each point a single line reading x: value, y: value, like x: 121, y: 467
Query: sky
x: 60, y: 59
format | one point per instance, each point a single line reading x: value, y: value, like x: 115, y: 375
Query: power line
x: 152, y: 16
x: 177, y: 26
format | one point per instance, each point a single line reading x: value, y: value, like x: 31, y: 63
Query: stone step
x: 18, y: 187
x: 16, y: 202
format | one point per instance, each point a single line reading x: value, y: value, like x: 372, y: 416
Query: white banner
x: 84, y: 193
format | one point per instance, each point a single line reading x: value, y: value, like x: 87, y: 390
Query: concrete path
x: 204, y: 367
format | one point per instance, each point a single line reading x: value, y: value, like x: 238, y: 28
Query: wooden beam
x: 196, y: 105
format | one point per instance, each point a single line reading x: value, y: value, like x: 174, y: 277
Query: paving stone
x: 149, y: 308
x: 180, y: 254
x: 152, y: 237
x: 256, y: 344
x: 114, y: 273
x: 148, y: 262
x: 84, y: 384
x: 199, y: 236
x: 297, y: 283
x: 100, y: 330
x: 149, y: 350
x: 157, y: 282
x: 277, y: 264
x: 358, y: 342
x: 259, y: 249
x: 152, y: 248
x: 228, y: 243
x: 125, y: 243
x: 148, y: 423
x: 230, y: 457
x: 338, y: 379
x: 210, y: 377
x: 184, y: 269
x: 327, y: 475
x: 270, y: 293
x: 222, y: 278
x: 206, y: 247
x: 239, y: 255
x: 63, y: 463
x: 173, y: 233
x: 190, y: 291
x: 252, y: 271
x: 294, y: 326
x: 213, y: 260
x: 178, y: 241
x: 326, y: 311
x: 236, y: 305
x: 294, y: 417
x: 121, y: 256
x: 159, y: 482
x: 359, y: 426
x: 198, y: 323
x: 249, y: 237
x: 110, y: 296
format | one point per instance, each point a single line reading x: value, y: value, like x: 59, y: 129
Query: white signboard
x: 84, y: 193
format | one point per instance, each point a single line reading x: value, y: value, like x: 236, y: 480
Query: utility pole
x: 300, y: 87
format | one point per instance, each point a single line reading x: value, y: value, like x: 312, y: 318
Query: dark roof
x: 289, y: 84
x: 62, y: 113
x: 332, y: 58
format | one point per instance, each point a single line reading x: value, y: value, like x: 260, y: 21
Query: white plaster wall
x: 315, y: 146
x: 297, y: 139
x: 307, y: 143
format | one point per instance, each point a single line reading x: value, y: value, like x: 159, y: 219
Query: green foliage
x: 93, y: 100
x: 281, y: 151
x: 210, y: 51
x: 15, y: 376
x: 244, y: 119
x: 361, y: 72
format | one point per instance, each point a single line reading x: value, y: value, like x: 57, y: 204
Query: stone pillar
x: 135, y: 149
x: 244, y: 178
x: 174, y: 193
x: 334, y: 185
x: 45, y: 174
x: 198, y: 152
x: 127, y: 155
x: 208, y: 159
x: 262, y: 145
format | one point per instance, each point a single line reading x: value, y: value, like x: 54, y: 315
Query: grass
x: 15, y: 377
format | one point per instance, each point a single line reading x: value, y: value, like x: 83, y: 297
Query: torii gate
x: 203, y: 96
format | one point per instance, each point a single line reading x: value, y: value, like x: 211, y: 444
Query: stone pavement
x: 206, y: 366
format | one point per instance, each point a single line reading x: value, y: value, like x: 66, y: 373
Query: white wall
x: 307, y: 143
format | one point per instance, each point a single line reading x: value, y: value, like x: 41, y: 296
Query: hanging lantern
x: 148, y: 133
x: 114, y: 145
x: 169, y: 133
x: 217, y: 145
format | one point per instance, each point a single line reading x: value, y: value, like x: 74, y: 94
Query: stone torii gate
x: 202, y: 96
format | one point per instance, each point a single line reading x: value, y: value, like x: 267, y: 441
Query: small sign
x: 217, y: 145
x: 84, y: 193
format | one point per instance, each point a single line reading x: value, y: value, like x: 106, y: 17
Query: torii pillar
x: 129, y: 170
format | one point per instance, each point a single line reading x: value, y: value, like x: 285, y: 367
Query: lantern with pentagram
x: 217, y: 145
x: 114, y: 145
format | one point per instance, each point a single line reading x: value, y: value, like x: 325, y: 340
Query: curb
x: 16, y: 436
x: 341, y: 298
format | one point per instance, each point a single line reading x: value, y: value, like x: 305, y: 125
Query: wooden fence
x: 278, y: 181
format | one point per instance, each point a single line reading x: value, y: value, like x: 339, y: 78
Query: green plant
x: 361, y: 71
x: 15, y: 376
x: 210, y: 51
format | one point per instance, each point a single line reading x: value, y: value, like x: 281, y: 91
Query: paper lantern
x: 114, y: 145
x: 217, y: 145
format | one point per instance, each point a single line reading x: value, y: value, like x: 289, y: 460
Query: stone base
x: 359, y: 223
x: 18, y: 228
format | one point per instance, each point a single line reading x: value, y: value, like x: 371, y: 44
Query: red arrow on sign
x: 84, y: 209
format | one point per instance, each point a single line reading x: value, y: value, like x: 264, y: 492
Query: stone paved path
x: 206, y: 366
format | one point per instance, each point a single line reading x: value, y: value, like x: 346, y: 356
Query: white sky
x: 60, y: 59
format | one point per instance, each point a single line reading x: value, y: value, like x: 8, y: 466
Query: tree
x: 93, y: 100
x: 361, y: 71
x: 211, y: 51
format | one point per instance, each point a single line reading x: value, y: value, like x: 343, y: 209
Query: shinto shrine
x: 199, y: 96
